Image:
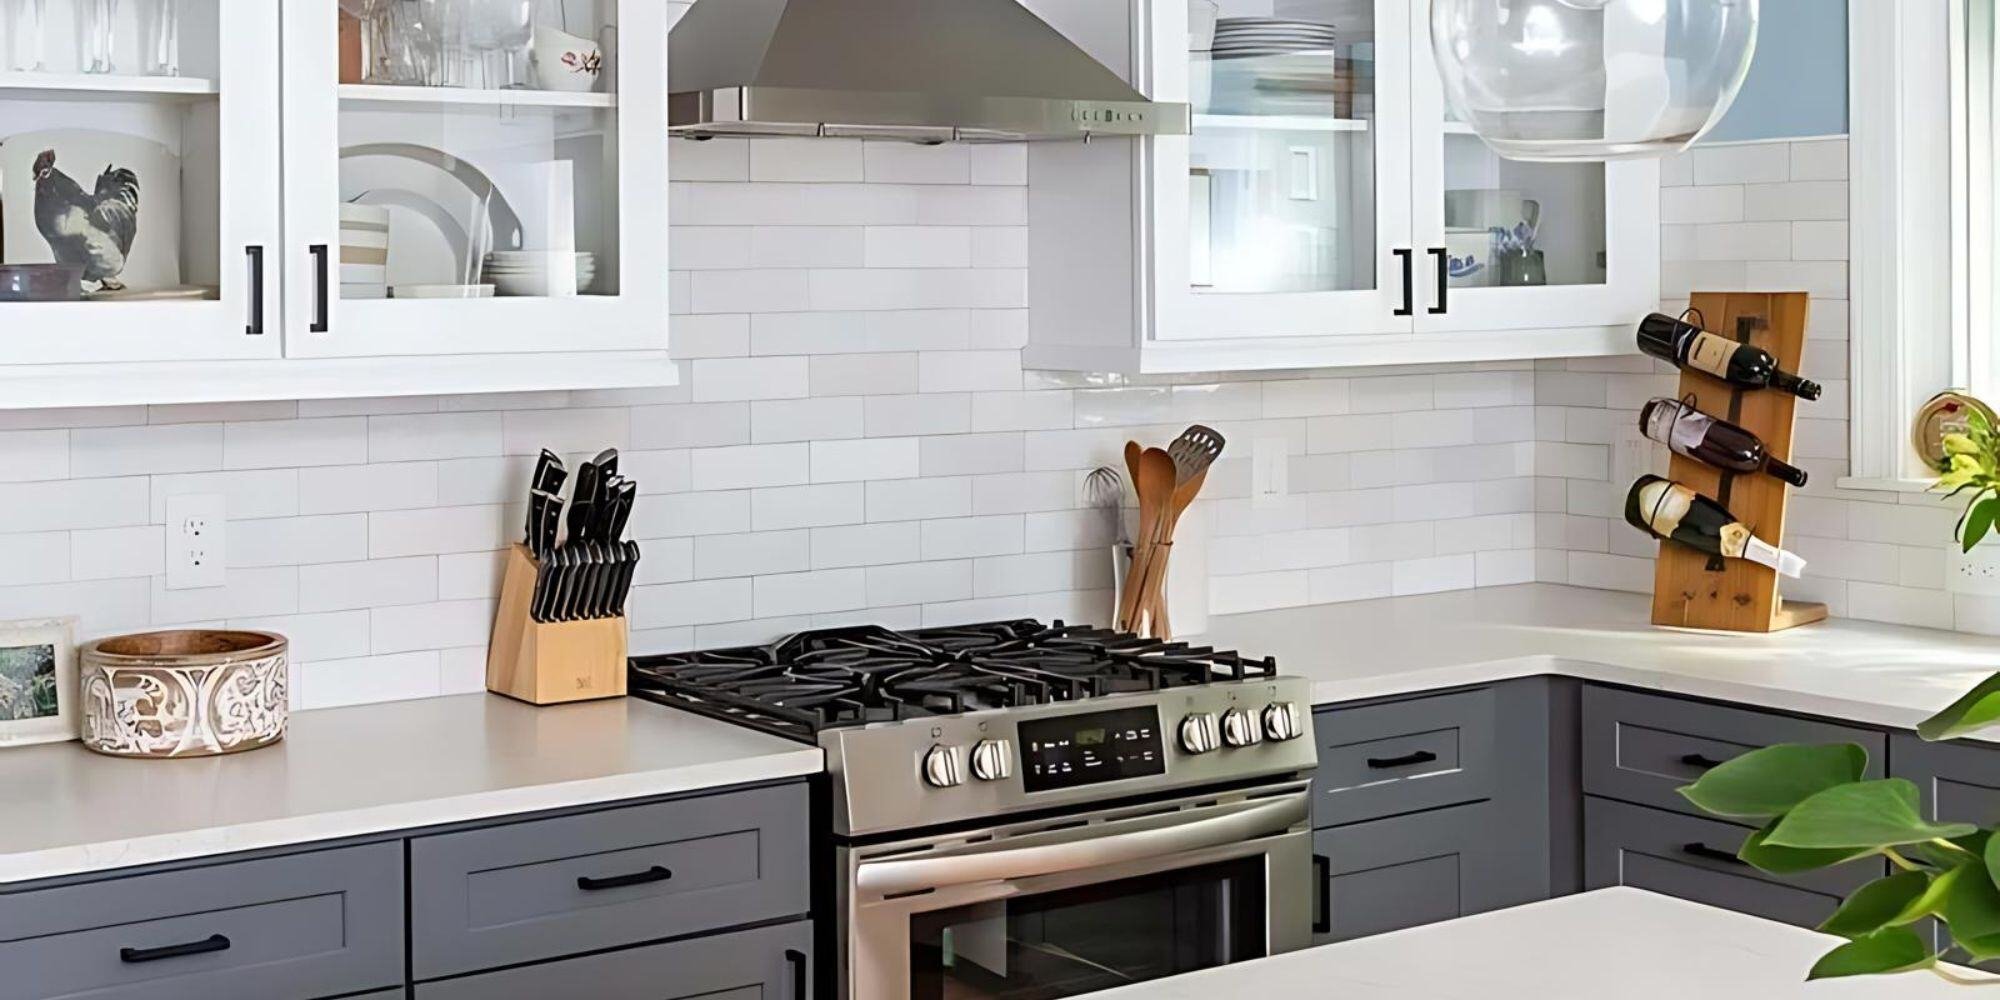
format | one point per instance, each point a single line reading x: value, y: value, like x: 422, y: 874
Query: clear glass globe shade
x: 1592, y: 79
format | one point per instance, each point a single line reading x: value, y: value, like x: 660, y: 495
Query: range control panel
x: 1070, y: 751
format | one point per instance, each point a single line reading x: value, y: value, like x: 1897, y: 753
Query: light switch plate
x: 197, y: 541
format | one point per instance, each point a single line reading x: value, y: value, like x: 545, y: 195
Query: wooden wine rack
x: 1690, y: 588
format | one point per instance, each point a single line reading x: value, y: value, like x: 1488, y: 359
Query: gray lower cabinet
x: 1640, y: 747
x: 523, y: 892
x: 299, y: 926
x: 766, y: 963
x: 1695, y: 859
x: 1403, y: 756
x: 1411, y: 870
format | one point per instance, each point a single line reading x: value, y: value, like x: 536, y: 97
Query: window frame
x: 1912, y: 235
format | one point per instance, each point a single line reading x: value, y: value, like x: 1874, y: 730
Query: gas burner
x: 832, y: 678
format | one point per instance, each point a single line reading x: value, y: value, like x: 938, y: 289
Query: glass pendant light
x: 1592, y: 79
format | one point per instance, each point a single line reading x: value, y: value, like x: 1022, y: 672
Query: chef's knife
x: 546, y: 481
x: 583, y: 501
x: 606, y: 462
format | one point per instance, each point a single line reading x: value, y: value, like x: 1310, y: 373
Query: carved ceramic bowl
x: 183, y: 694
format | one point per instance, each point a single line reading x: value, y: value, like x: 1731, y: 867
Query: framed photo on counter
x: 38, y: 693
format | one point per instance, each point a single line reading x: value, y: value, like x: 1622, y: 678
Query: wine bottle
x: 1668, y: 510
x: 1690, y: 346
x: 1713, y: 440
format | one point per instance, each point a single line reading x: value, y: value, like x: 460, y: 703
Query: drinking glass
x: 161, y: 28
x: 29, y: 18
x: 440, y: 34
x: 100, y: 18
x: 500, y: 32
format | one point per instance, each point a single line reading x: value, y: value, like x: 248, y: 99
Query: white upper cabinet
x: 146, y: 201
x: 267, y: 200
x: 1324, y: 212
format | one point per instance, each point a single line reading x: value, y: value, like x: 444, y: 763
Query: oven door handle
x: 918, y: 874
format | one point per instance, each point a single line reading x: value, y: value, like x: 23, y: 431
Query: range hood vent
x: 926, y: 71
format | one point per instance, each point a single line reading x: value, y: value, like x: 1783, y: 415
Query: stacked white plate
x: 1251, y: 37
x: 527, y: 272
x: 364, y: 251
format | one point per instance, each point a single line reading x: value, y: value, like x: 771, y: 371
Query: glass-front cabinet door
x: 139, y: 183
x: 458, y: 180
x: 1283, y: 213
x: 1517, y: 245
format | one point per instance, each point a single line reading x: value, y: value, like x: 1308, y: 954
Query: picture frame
x: 39, y: 700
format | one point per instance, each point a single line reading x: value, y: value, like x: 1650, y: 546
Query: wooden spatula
x: 1154, y: 481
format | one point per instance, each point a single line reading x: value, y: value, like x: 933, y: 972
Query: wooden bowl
x: 190, y: 693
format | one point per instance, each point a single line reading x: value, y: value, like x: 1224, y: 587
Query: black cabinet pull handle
x: 256, y: 325
x: 1697, y: 760
x: 1322, y: 894
x: 1409, y: 257
x: 319, y: 323
x: 1443, y: 256
x: 653, y: 874
x: 214, y: 942
x: 1384, y: 763
x: 1701, y: 850
x: 797, y: 960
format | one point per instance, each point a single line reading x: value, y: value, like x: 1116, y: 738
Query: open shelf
x: 465, y: 97
x: 108, y: 86
x: 1280, y: 123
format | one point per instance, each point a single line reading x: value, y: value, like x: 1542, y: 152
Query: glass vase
x: 160, y: 33
x: 99, y: 26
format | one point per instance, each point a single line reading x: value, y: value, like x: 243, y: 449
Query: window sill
x: 1885, y: 485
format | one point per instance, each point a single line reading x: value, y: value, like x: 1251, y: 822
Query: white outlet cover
x: 197, y: 541
x: 1975, y: 573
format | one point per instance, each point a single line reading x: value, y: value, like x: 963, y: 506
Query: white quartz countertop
x: 1626, y: 944
x: 364, y: 770
x: 1882, y: 675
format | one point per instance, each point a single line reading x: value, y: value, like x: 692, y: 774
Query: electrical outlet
x: 1975, y: 573
x: 1270, y: 473
x: 197, y: 541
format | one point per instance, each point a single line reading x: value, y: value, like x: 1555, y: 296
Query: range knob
x: 992, y: 760
x: 1240, y: 728
x: 1281, y: 721
x: 1198, y: 733
x: 942, y: 768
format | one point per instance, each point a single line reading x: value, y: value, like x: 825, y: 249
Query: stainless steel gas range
x: 1034, y: 812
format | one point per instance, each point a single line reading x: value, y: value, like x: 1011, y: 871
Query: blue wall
x: 1798, y: 80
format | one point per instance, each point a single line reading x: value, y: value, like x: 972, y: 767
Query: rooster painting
x: 93, y: 229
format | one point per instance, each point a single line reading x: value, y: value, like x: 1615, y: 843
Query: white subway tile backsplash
x: 779, y: 420
x: 109, y: 553
x: 159, y: 448
x: 280, y: 444
x: 718, y: 556
x: 750, y: 466
x: 871, y: 458
x: 807, y: 506
x: 439, y: 530
x: 370, y: 583
x: 863, y: 374
x: 915, y: 583
x: 339, y: 489
x: 726, y: 379
x: 967, y: 537
x: 419, y: 436
x: 811, y: 593
x: 411, y: 627
x: 866, y: 544
x: 298, y: 541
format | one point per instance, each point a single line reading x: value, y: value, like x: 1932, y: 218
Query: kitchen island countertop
x: 1884, y: 675
x: 1613, y: 943
x: 370, y: 769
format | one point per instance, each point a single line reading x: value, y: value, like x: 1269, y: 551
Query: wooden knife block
x: 548, y: 663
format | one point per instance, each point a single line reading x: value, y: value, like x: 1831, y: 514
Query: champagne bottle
x: 1668, y: 510
x: 1713, y: 440
x: 1689, y: 346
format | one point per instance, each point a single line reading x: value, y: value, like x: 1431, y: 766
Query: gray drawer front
x: 762, y: 964
x: 1657, y: 850
x: 306, y: 925
x: 1639, y: 747
x: 510, y: 894
x: 1960, y: 781
x: 1391, y: 874
x: 1402, y: 757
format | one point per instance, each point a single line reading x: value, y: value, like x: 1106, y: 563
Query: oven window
x: 1063, y: 944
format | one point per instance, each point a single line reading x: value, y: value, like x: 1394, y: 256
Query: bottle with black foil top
x: 1667, y: 510
x: 1745, y: 365
x: 1712, y: 440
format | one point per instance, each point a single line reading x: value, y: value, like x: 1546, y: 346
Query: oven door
x: 1076, y: 904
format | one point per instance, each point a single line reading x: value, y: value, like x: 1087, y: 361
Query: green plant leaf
x: 1864, y: 814
x: 1931, y: 901
x: 1979, y: 521
x: 1791, y: 860
x: 1972, y: 906
x: 1768, y: 782
x: 1976, y: 709
x: 1877, y: 905
x: 1897, y: 949
x: 1980, y: 949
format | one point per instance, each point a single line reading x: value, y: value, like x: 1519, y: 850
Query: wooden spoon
x: 1154, y: 482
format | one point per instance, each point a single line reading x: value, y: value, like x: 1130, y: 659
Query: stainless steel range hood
x: 917, y: 70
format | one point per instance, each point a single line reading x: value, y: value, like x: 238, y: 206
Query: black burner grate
x: 855, y: 676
